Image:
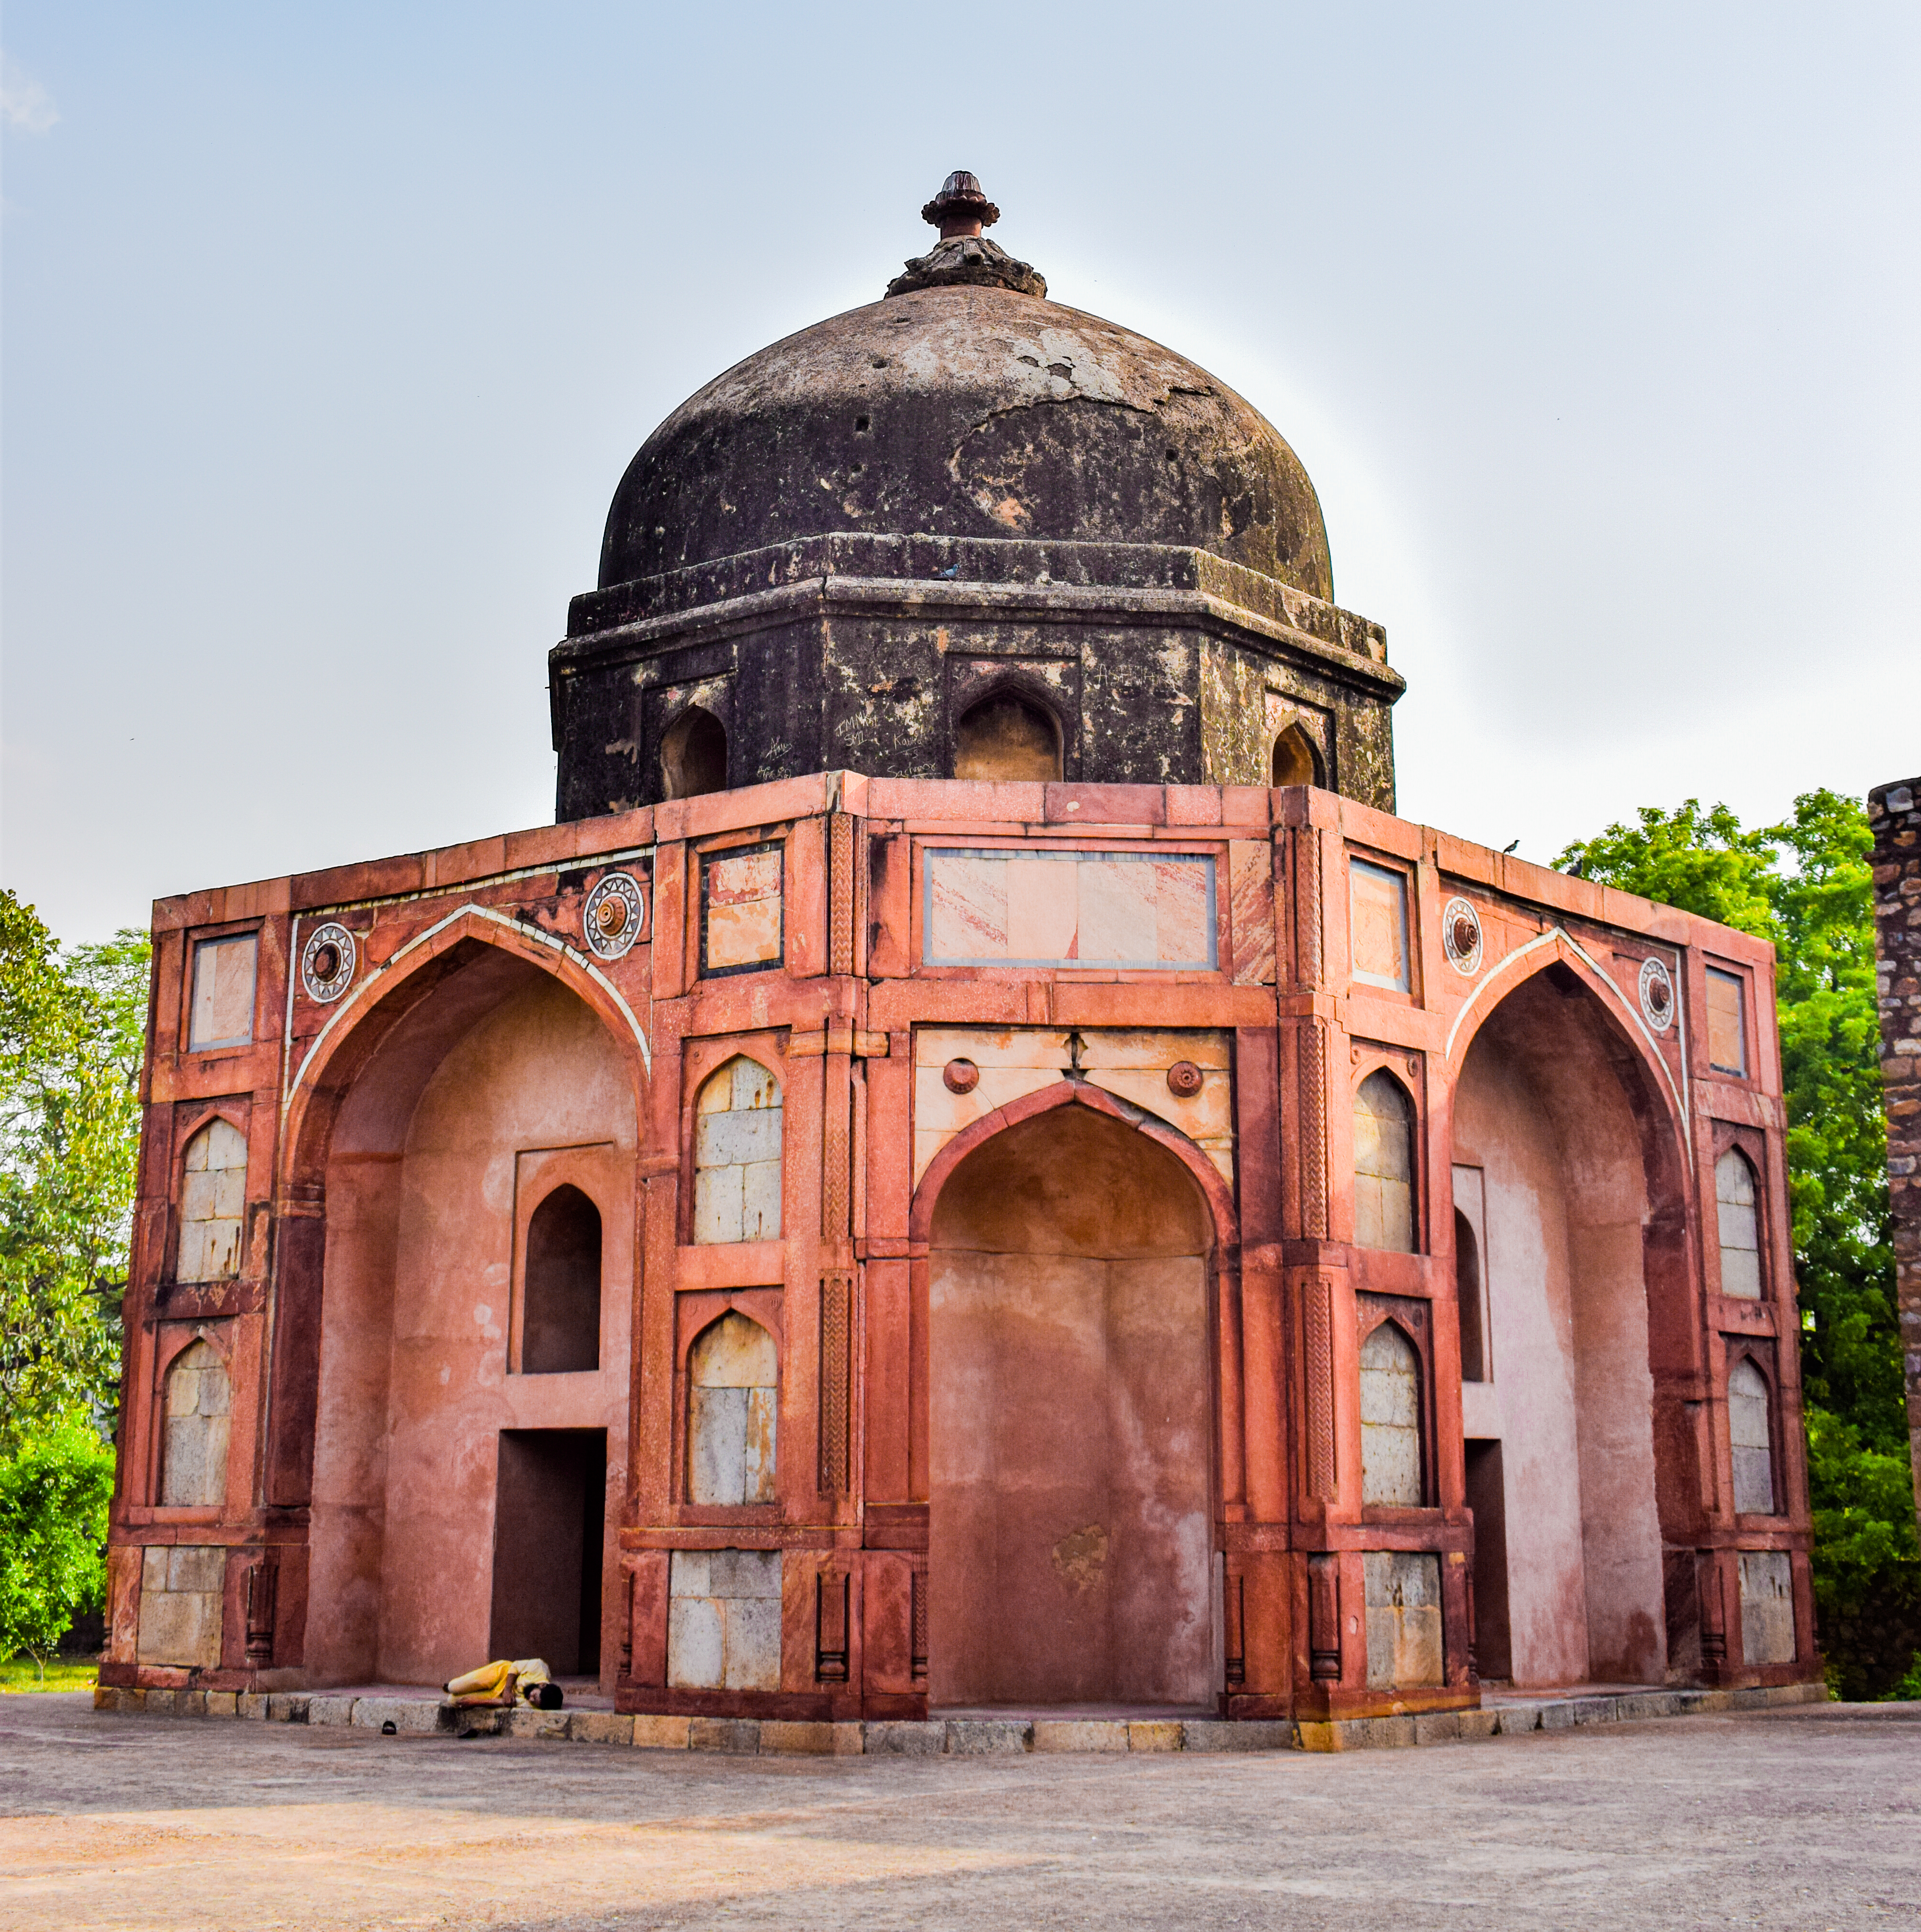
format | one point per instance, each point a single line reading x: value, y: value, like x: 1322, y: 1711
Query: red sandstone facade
x: 947, y: 1244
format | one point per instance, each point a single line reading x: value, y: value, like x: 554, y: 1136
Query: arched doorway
x: 1070, y: 1549
x: 1556, y: 1127
x: 460, y: 1471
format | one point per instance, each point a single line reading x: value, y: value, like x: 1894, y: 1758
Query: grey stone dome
x: 967, y: 411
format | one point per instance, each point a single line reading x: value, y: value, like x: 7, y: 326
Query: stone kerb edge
x: 952, y: 1737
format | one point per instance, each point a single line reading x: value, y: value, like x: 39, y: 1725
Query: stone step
x: 948, y: 1737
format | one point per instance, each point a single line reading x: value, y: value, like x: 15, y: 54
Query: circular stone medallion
x: 614, y: 916
x: 327, y: 962
x: 961, y: 1076
x: 1460, y: 935
x: 1657, y: 995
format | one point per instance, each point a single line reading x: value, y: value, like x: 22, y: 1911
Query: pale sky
x: 329, y: 332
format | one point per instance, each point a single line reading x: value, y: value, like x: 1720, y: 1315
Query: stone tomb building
x: 978, y: 1165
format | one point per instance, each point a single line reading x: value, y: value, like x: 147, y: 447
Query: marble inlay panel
x: 1135, y: 910
x: 741, y: 912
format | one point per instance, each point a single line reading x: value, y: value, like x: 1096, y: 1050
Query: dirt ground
x: 1800, y: 1818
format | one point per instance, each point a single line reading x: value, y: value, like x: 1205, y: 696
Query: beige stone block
x: 599, y: 1727
x: 222, y: 1704
x: 196, y: 1566
x: 1435, y: 1727
x: 1477, y: 1724
x: 190, y: 1703
x: 734, y: 1736
x: 785, y: 1738
x: 526, y: 1722
x: 1767, y: 1607
x: 1080, y: 1735
x: 330, y: 1710
x: 1155, y: 1735
x: 1320, y: 1737
x: 159, y: 1703
x: 253, y: 1704
x: 1240, y: 1734
x: 180, y: 1626
x: 660, y: 1733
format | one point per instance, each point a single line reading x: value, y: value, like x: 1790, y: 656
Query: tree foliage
x: 54, y: 1494
x: 1805, y: 884
x: 72, y: 1030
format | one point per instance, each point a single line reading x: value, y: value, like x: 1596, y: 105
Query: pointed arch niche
x: 1072, y: 1419
x: 1581, y: 1212
x: 489, y: 1128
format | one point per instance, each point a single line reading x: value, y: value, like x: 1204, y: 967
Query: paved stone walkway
x: 1805, y: 1816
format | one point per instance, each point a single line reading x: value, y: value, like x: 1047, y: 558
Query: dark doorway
x: 1004, y: 738
x: 1467, y: 1293
x: 560, y: 1320
x: 1494, y: 1647
x: 549, y: 1516
x: 694, y: 755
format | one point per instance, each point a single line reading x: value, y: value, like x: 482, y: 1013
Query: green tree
x: 1806, y: 885
x: 54, y: 1494
x: 72, y: 1031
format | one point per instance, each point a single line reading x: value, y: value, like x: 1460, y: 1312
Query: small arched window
x: 737, y: 1155
x: 1383, y: 1164
x: 560, y: 1296
x: 1390, y: 1418
x: 732, y: 1413
x: 199, y: 1413
x: 694, y: 755
x: 1295, y: 760
x: 1005, y: 737
x: 1749, y: 1424
x: 1467, y: 1285
x: 213, y: 1200
x: 1734, y: 1195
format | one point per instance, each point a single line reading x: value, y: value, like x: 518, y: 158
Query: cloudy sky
x: 329, y: 331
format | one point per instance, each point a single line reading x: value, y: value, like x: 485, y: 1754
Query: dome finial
x: 964, y: 257
x: 961, y: 207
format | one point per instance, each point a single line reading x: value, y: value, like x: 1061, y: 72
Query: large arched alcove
x: 1559, y: 1115
x: 1072, y: 1413
x: 454, y: 1501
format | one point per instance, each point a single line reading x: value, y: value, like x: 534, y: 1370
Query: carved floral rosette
x: 1460, y: 935
x: 327, y: 962
x: 1657, y: 995
x: 614, y: 916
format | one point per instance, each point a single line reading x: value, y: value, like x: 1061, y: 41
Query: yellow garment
x: 503, y: 1682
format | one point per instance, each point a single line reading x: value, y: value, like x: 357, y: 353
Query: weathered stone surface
x: 790, y: 1737
x: 288, y: 1707
x: 736, y: 1736
x: 325, y: 1709
x: 414, y: 1716
x: 1258, y: 1734
x: 904, y: 1740
x: 526, y: 1722
x: 599, y: 1727
x: 987, y: 1737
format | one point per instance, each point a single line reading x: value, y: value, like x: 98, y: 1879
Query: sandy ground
x: 1788, y: 1819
